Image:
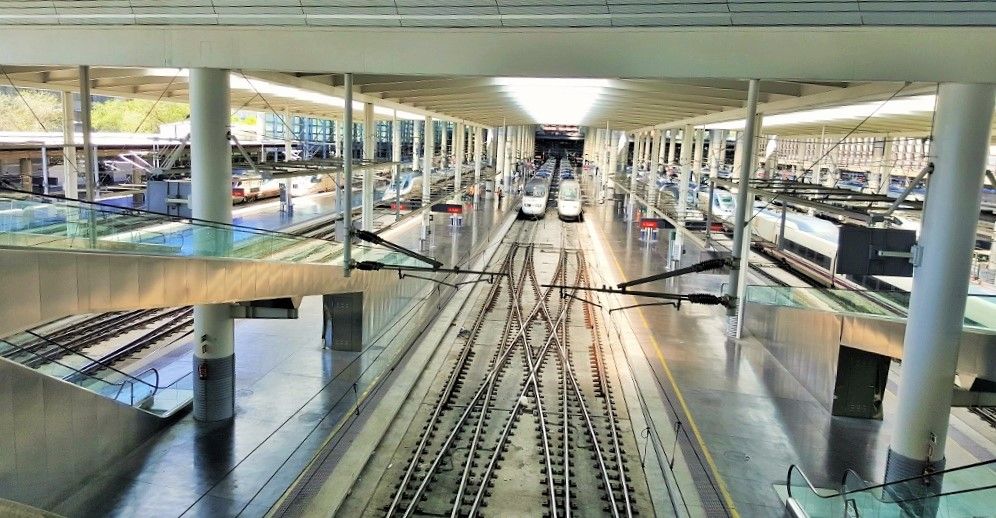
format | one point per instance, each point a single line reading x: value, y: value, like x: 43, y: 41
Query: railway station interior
x: 722, y: 258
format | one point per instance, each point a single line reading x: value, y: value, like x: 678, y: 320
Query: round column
x: 940, y: 284
x: 211, y: 199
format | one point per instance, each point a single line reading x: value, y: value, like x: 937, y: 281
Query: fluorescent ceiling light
x: 554, y: 101
x: 266, y: 88
x: 901, y: 106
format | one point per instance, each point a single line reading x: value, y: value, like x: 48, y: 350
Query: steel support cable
x: 745, y: 181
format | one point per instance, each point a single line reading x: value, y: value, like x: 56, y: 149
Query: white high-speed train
x: 814, y: 240
x: 569, y: 201
x: 534, y: 198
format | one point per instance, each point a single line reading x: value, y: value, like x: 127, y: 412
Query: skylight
x: 554, y: 101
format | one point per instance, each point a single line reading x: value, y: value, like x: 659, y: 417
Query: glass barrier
x: 818, y: 503
x: 110, y: 383
x: 33, y: 220
x: 980, y: 309
x: 963, y: 492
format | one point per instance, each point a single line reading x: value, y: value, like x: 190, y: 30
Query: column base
x: 214, y: 388
x: 913, y: 496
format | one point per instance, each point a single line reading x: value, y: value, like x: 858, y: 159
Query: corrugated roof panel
x: 789, y: 18
x: 351, y: 10
x: 792, y: 7
x: 665, y: 8
x: 671, y: 20
x: 468, y: 21
x: 556, y: 21
x: 553, y: 9
x: 966, y: 18
x: 272, y: 19
x: 449, y: 11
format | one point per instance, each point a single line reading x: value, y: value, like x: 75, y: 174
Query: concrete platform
x: 749, y: 418
x: 290, y: 395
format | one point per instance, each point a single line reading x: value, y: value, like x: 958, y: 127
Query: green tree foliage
x: 125, y: 115
x: 15, y: 115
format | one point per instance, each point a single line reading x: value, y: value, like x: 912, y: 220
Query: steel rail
x: 493, y: 293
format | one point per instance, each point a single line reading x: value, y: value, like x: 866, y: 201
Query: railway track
x: 524, y: 421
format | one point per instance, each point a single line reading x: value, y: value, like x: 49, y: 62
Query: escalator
x: 967, y: 491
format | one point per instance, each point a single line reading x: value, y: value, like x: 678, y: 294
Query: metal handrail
x: 885, y: 485
x: 99, y: 362
x: 105, y: 208
x: 57, y: 362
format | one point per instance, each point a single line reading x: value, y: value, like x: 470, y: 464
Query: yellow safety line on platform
x: 674, y: 384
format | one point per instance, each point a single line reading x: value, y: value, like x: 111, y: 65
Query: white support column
x: 478, y: 148
x: 672, y: 149
x: 211, y: 199
x: 655, y: 164
x: 697, y: 149
x: 963, y: 119
x: 70, y: 164
x: 428, y: 139
x: 89, y: 160
x: 492, y: 144
x: 444, y: 147
x: 509, y: 172
x: 741, y: 228
x: 885, y: 163
x: 416, y: 146
x: 458, y: 142
x: 340, y: 132
x: 288, y: 136
x: 396, y: 157
x: 687, y: 138
x: 369, y: 152
x: 721, y: 151
x: 286, y: 198
x: 612, y: 161
x: 499, y: 155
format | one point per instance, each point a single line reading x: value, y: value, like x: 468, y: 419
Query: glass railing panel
x: 980, y: 309
x: 43, y: 221
x: 817, y: 503
x: 962, y: 492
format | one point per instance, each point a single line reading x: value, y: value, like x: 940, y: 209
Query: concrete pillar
x: 612, y: 161
x: 697, y: 149
x: 886, y: 161
x: 369, y: 153
x: 478, y: 147
x: 417, y: 130
x: 741, y: 229
x: 89, y: 160
x: 507, y: 167
x: 655, y: 163
x: 672, y: 149
x: 687, y: 138
x: 287, y: 200
x: 211, y: 199
x: 70, y: 172
x: 396, y: 155
x: 963, y: 119
x: 25, y: 167
x: 492, y: 145
x: 340, y: 127
x: 347, y: 172
x: 427, y: 176
x: 499, y: 152
x: 721, y: 151
x: 458, y: 143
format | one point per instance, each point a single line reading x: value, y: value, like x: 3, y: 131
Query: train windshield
x: 535, y: 190
x: 570, y: 192
x: 724, y: 200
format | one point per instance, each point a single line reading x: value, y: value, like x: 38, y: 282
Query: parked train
x: 815, y: 241
x: 535, y: 197
x: 569, y: 201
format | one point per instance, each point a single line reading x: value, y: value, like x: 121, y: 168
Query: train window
x: 535, y: 190
x: 569, y: 192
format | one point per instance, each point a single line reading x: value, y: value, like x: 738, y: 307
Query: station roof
x: 499, y: 13
x: 488, y: 101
